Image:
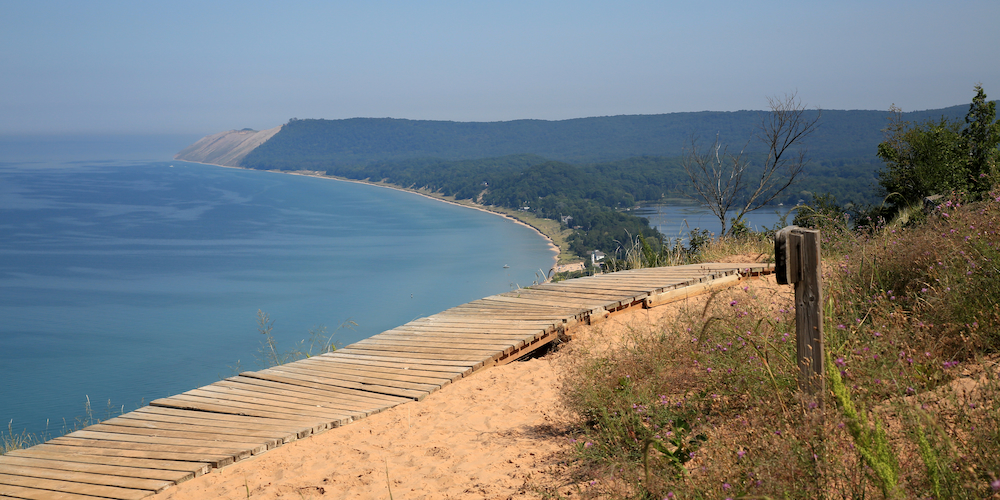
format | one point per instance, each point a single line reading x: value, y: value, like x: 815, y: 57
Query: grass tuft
x: 707, y: 405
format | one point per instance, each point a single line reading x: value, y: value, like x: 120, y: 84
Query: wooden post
x: 797, y: 262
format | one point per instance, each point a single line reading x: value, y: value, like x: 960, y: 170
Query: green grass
x: 707, y: 406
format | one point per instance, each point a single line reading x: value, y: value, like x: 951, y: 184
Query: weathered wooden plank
x: 94, y: 490
x: 9, y: 467
x: 374, y: 388
x: 238, y: 402
x: 90, y: 447
x: 365, y: 382
x: 424, y: 344
x: 94, y: 468
x: 217, y: 405
x: 222, y: 447
x: 454, y: 372
x: 478, y: 339
x: 77, y: 455
x: 153, y: 421
x: 416, y: 376
x: 29, y: 493
x: 306, y: 394
x: 185, y: 432
x: 160, y: 413
x: 377, y: 398
x: 244, y: 393
x: 475, y: 361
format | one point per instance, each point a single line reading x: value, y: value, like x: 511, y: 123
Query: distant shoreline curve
x: 320, y: 175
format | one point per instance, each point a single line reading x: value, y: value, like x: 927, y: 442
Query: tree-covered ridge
x: 840, y: 134
x: 584, y: 169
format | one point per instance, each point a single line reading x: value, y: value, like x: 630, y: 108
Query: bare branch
x: 719, y: 179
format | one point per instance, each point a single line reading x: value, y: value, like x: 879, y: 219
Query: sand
x: 500, y: 433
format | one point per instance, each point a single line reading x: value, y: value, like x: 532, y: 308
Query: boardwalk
x: 184, y: 436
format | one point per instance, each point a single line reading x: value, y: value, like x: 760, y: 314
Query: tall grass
x: 707, y: 405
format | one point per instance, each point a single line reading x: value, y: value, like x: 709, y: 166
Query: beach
x: 501, y: 433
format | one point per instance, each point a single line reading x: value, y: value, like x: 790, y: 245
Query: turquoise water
x: 126, y: 281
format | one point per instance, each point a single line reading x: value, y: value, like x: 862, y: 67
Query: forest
x: 589, y: 169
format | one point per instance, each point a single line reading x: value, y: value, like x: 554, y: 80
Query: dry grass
x: 911, y: 410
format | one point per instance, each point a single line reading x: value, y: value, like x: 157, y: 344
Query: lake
x: 124, y: 281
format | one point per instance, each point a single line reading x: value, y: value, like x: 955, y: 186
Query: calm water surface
x: 126, y: 281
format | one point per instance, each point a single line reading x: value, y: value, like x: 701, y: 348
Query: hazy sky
x: 207, y: 66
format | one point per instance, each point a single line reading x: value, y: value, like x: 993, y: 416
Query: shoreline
x: 319, y: 175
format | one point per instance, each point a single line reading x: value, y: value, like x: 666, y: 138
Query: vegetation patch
x: 707, y: 406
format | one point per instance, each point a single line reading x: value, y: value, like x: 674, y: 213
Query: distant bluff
x: 226, y: 148
x: 321, y: 144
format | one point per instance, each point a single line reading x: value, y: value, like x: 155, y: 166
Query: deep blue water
x: 126, y: 281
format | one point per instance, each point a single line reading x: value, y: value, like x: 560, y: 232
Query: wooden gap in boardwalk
x: 181, y: 437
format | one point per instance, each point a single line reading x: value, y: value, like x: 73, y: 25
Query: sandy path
x: 497, y: 434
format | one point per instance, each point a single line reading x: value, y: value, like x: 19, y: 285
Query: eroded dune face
x: 226, y: 148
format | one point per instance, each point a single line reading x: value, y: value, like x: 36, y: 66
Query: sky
x: 180, y: 67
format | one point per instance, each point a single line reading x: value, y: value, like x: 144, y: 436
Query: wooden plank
x: 298, y: 427
x: 70, y: 487
x: 345, y: 353
x: 221, y: 447
x: 294, y: 403
x: 408, y: 364
x: 86, y: 447
x: 214, y: 456
x: 426, y: 352
x: 153, y: 421
x: 385, y: 399
x: 184, y: 432
x: 111, y: 470
x: 23, y: 492
x: 474, y: 361
x: 374, y: 388
x: 380, y: 385
x: 133, y: 483
x: 384, y: 376
x: 70, y: 454
x: 452, y: 336
x: 249, y: 404
x: 305, y: 394
x: 439, y: 344
x: 469, y: 328
x: 221, y: 406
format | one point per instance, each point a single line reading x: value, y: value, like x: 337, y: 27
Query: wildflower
x: 996, y: 482
x: 588, y: 444
x: 732, y: 303
x: 740, y: 454
x: 726, y: 486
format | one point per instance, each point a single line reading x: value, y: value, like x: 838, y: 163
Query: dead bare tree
x: 724, y: 181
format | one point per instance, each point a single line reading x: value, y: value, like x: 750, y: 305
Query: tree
x: 940, y: 155
x: 921, y: 160
x: 731, y: 182
x: 982, y: 134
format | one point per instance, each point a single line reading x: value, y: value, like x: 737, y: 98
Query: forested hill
x: 583, y: 168
x: 841, y: 134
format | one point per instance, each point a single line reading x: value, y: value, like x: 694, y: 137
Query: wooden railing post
x: 797, y: 261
